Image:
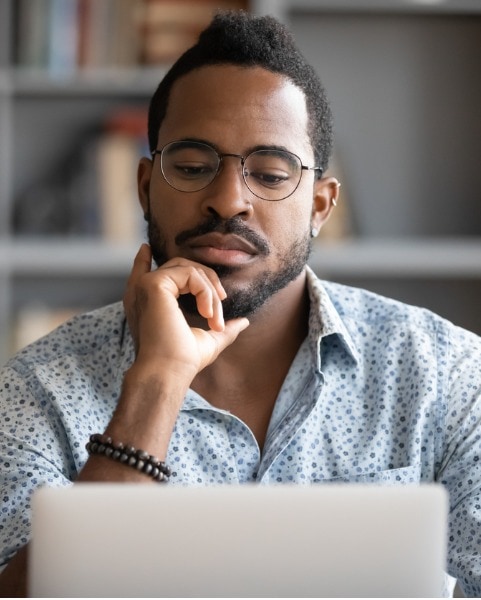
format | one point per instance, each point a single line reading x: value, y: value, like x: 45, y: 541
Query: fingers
x: 183, y: 276
x: 221, y: 340
x: 161, y: 331
x: 210, y: 274
x: 142, y: 265
x: 208, y: 297
x: 142, y: 262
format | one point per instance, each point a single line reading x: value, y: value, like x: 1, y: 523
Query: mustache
x: 234, y: 225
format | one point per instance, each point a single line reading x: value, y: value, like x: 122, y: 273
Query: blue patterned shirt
x: 379, y: 392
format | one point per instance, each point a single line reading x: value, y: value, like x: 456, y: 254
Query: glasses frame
x: 242, y: 159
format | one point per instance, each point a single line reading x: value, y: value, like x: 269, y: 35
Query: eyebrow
x: 273, y: 147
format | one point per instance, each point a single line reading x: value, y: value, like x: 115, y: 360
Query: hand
x: 163, y: 338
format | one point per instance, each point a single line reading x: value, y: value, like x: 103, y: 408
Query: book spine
x: 62, y: 39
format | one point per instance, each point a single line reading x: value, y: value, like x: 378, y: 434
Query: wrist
x: 147, y: 409
x: 140, y: 460
x: 172, y: 373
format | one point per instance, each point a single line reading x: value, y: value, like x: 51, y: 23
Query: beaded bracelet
x: 103, y: 445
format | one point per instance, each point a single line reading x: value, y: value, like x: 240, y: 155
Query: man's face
x: 256, y: 246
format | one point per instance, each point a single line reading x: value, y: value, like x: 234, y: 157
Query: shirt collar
x: 325, y: 320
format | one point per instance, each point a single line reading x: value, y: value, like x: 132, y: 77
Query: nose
x: 228, y: 196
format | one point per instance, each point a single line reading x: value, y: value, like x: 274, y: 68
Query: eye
x: 193, y: 170
x: 270, y: 168
x: 189, y: 161
x: 271, y: 178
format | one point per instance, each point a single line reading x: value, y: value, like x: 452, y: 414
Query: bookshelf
x: 407, y: 143
x: 402, y: 78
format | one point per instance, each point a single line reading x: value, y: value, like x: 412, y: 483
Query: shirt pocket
x: 401, y: 475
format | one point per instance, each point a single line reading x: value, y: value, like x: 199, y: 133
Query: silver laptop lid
x: 120, y: 540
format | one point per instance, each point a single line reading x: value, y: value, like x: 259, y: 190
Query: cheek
x: 171, y: 211
x: 290, y: 223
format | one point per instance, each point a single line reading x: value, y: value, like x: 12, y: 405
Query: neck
x: 246, y: 378
x: 277, y: 328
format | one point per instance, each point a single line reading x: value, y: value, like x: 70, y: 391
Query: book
x: 62, y: 36
x: 109, y: 36
x: 169, y: 27
x: 124, y: 50
x: 62, y: 58
x: 119, y: 149
x: 94, y: 193
x: 46, y: 35
x: 95, y: 23
x: 32, y: 33
x: 120, y: 214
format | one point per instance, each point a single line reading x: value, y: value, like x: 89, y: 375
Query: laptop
x: 347, y: 540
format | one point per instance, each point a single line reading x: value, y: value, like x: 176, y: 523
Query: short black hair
x: 241, y: 38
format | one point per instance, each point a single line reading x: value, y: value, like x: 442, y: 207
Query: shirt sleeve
x: 460, y: 470
x: 33, y: 452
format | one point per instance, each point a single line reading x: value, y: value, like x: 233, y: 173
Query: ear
x: 326, y: 194
x: 144, y: 174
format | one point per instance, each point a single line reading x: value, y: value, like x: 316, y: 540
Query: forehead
x: 237, y: 108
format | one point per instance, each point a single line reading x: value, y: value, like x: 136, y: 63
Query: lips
x: 225, y: 249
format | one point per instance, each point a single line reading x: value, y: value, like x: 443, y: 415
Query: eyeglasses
x: 270, y: 174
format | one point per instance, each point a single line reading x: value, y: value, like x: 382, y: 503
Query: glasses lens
x: 272, y: 174
x: 189, y: 166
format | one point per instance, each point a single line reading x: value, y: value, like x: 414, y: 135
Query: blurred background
x: 76, y: 76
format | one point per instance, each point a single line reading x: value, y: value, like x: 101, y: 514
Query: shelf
x: 430, y: 258
x: 65, y: 257
x: 366, y: 6
x: 373, y: 56
x: 412, y: 258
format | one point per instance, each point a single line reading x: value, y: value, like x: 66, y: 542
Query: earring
x: 334, y: 200
x: 314, y: 232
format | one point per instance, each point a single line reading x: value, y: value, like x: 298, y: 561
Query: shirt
x: 379, y: 392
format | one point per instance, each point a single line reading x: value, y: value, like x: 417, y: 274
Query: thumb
x: 234, y: 327
x: 224, y: 338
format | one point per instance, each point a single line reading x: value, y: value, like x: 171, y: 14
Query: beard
x: 245, y: 301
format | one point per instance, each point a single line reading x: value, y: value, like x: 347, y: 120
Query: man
x: 229, y: 361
